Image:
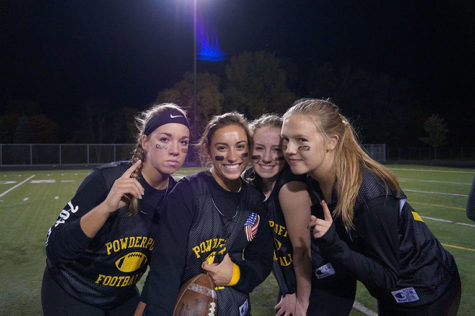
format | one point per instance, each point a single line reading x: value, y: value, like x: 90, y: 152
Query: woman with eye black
x: 301, y: 291
x: 363, y: 222
x: 101, y: 243
x: 213, y: 223
x: 288, y: 205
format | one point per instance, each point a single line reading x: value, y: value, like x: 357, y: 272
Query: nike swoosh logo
x: 175, y: 116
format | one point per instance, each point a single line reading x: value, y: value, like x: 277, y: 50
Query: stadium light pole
x: 195, y: 103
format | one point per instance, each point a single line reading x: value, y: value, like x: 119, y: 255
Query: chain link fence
x: 64, y: 155
x: 85, y: 155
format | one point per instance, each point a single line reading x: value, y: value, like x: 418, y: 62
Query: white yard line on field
x: 447, y: 221
x: 434, y: 181
x: 433, y: 170
x: 431, y: 192
x: 365, y: 310
x: 14, y: 187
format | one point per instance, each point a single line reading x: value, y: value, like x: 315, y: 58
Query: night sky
x: 61, y: 53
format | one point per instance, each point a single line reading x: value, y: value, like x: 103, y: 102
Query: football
x: 197, y: 297
x: 131, y: 262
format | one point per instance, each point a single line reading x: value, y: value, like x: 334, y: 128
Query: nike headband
x: 165, y: 117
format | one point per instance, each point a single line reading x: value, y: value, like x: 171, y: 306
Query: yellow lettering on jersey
x: 117, y: 281
x: 285, y: 261
x: 278, y: 229
x: 129, y: 242
x: 416, y: 217
x: 213, y: 244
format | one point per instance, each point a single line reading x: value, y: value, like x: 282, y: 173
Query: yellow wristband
x: 236, y: 275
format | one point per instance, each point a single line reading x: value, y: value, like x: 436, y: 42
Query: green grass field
x: 30, y: 202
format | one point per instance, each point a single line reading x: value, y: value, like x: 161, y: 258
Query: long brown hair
x: 141, y: 121
x: 350, y: 158
x: 216, y: 123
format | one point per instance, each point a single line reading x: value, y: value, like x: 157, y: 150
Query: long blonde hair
x: 141, y: 121
x: 350, y: 158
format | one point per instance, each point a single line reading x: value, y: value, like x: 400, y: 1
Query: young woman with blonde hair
x: 363, y: 222
x: 101, y: 243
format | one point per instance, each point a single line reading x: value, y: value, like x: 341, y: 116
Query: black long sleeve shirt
x: 199, y: 219
x: 103, y: 270
x: 390, y: 247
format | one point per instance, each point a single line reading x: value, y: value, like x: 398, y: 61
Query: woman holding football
x: 102, y: 241
x: 364, y: 224
x: 213, y: 223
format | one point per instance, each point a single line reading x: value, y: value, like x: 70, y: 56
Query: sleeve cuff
x: 236, y: 275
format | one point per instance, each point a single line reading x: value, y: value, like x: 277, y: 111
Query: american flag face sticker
x: 250, y: 226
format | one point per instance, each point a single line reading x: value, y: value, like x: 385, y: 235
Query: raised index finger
x: 132, y: 168
x: 326, y: 211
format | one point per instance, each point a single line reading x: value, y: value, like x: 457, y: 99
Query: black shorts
x: 57, y: 302
x: 332, y: 299
x: 446, y: 305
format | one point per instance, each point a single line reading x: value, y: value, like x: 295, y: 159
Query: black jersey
x: 195, y: 227
x: 102, y: 271
x: 283, y: 267
x: 390, y: 249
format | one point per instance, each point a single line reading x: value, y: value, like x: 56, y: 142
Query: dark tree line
x: 383, y: 109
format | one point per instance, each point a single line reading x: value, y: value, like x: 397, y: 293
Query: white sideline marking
x: 43, y: 181
x: 25, y: 199
x: 56, y: 197
x: 7, y: 182
x: 434, y: 181
x: 447, y: 221
x: 433, y: 170
x: 365, y: 310
x: 2, y: 194
x: 430, y: 192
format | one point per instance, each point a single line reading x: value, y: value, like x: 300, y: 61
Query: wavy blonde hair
x: 350, y: 158
x: 141, y: 121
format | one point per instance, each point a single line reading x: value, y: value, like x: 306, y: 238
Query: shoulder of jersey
x: 372, y: 186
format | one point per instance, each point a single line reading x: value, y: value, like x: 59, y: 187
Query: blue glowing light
x: 208, y: 46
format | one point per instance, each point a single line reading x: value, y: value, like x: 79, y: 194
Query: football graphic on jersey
x: 197, y: 297
x: 131, y: 262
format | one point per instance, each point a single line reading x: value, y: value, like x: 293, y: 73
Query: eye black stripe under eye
x: 255, y: 157
x: 219, y: 158
x: 244, y: 155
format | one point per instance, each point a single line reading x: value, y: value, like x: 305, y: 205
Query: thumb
x: 326, y: 212
x: 206, y: 266
x: 226, y: 259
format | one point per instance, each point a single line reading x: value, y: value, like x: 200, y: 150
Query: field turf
x: 30, y: 202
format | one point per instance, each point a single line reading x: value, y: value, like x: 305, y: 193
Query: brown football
x: 197, y: 297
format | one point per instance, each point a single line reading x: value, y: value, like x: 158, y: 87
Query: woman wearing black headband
x: 213, y: 223
x: 102, y: 241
